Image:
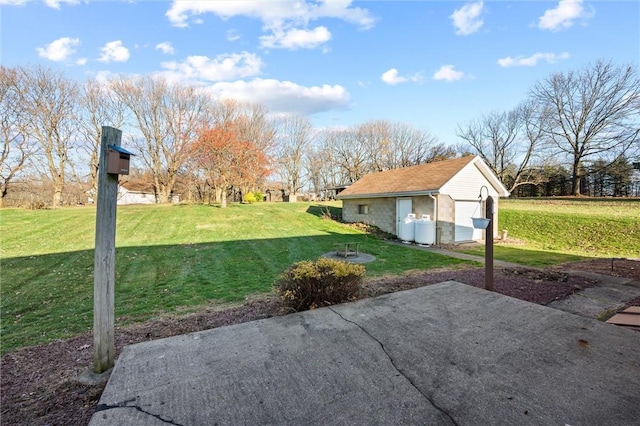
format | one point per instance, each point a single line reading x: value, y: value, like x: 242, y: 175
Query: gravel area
x: 39, y: 385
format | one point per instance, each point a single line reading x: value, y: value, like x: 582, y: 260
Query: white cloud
x: 166, y: 48
x: 296, y: 38
x: 284, y: 21
x: 467, y: 19
x: 562, y: 16
x: 233, y: 35
x: 59, y: 50
x: 284, y: 97
x: 81, y: 61
x: 273, y: 13
x: 13, y: 2
x: 448, y: 73
x: 392, y: 77
x: 220, y: 68
x: 530, y: 61
x: 56, y: 3
x: 114, y: 51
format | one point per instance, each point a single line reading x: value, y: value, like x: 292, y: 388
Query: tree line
x: 583, y: 123
x: 577, y: 133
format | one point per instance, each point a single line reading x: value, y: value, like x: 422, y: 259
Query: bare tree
x: 391, y: 145
x: 592, y: 110
x: 168, y: 116
x: 49, y: 100
x: 440, y: 152
x: 506, y: 141
x: 16, y: 147
x: 375, y: 146
x: 321, y: 164
x: 314, y: 168
x: 374, y: 138
x: 99, y: 106
x: 295, y: 137
x: 380, y: 145
x: 412, y: 146
x: 350, y: 156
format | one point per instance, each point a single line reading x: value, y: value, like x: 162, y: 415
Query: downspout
x: 435, y: 214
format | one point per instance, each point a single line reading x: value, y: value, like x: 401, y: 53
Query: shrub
x: 309, y: 285
x: 249, y: 198
x: 258, y: 196
x: 327, y: 214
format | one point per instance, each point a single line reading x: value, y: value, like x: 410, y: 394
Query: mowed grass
x: 561, y: 230
x: 169, y: 259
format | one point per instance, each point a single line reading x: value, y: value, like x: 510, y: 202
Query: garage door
x: 465, y: 210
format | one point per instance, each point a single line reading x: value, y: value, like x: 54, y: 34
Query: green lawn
x: 168, y: 259
x: 557, y: 231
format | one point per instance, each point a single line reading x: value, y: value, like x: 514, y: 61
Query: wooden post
x: 488, y: 246
x: 104, y: 275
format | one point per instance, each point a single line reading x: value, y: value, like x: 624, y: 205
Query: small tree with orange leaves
x: 227, y: 160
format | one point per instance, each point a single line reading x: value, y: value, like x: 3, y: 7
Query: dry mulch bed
x: 624, y: 268
x: 40, y: 384
x: 536, y: 286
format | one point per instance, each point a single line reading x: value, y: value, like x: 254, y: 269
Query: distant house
x: 139, y: 193
x: 448, y: 191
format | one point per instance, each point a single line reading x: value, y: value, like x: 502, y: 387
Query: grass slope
x: 562, y: 230
x: 588, y: 228
x: 168, y: 259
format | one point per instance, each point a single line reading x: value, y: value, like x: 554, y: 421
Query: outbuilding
x: 450, y: 192
x: 139, y: 193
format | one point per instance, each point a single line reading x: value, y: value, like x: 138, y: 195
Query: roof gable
x: 421, y: 178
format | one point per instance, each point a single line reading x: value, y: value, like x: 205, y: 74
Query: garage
x: 446, y: 192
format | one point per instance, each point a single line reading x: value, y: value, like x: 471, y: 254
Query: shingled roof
x: 423, y: 178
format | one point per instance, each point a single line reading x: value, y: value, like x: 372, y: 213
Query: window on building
x: 363, y: 209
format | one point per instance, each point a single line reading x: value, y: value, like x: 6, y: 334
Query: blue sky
x: 432, y: 64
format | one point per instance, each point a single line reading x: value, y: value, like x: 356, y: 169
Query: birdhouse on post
x: 118, y: 160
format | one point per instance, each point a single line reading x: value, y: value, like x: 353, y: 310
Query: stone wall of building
x: 445, y: 228
x: 380, y: 212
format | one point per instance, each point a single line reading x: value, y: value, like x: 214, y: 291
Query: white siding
x: 464, y: 230
x: 467, y: 183
x: 465, y: 186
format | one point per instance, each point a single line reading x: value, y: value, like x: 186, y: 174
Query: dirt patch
x: 541, y: 287
x: 40, y: 384
x: 624, y: 268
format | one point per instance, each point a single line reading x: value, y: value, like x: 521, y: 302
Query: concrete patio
x: 442, y: 354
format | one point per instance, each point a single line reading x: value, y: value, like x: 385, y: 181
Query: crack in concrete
x: 397, y: 368
x: 125, y: 404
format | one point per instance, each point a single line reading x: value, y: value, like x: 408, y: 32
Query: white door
x: 465, y: 210
x: 403, y: 208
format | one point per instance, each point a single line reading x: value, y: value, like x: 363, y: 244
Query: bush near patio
x: 313, y: 284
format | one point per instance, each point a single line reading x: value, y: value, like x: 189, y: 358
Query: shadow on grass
x: 324, y: 210
x: 50, y: 297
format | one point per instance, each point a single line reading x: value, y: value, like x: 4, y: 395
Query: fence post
x: 104, y: 275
